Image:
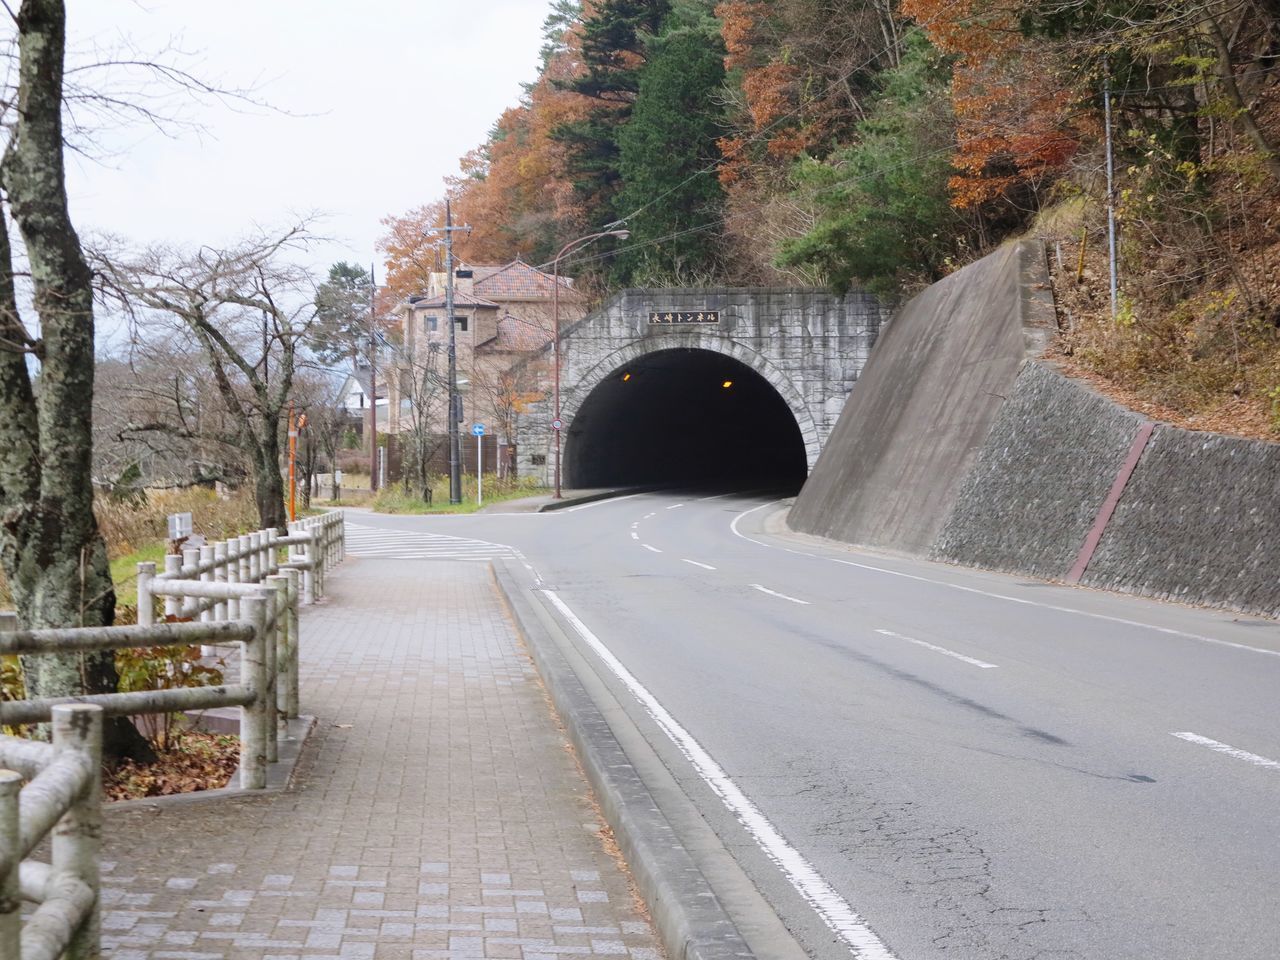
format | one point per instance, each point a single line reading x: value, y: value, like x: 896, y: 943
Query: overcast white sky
x: 386, y: 95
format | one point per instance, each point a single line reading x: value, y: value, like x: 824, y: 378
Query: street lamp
x: 557, y: 425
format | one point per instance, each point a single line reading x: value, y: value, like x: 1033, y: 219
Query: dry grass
x: 139, y: 528
x: 1206, y: 357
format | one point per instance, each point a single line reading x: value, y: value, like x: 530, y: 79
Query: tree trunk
x: 53, y: 553
x: 268, y: 484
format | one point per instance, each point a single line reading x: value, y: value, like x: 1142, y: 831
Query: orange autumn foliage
x: 1012, y: 100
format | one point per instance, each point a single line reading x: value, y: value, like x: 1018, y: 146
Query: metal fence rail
x: 241, y: 593
x: 63, y: 799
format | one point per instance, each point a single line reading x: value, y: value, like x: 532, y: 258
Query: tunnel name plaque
x: 681, y: 317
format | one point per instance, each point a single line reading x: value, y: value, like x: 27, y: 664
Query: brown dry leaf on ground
x: 201, y: 761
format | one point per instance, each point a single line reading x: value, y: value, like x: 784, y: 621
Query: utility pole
x: 373, y: 384
x: 455, y: 411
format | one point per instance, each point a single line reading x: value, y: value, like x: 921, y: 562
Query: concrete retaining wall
x: 924, y: 403
x: 1002, y: 461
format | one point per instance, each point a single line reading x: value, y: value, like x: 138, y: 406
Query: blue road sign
x: 477, y: 429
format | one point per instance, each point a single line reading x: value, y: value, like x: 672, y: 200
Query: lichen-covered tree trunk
x: 52, y: 551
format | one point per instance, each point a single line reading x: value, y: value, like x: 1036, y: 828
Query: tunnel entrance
x: 684, y: 417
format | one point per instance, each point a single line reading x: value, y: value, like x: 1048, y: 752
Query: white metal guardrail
x: 242, y: 594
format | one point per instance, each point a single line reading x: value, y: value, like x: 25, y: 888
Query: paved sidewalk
x: 438, y: 810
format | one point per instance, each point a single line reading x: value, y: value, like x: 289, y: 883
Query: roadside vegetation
x: 395, y: 499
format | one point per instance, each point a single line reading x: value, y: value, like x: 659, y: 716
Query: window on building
x: 432, y: 324
x: 538, y: 459
x: 462, y: 323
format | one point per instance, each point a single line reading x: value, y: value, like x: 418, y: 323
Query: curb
x: 590, y: 498
x: 687, y: 914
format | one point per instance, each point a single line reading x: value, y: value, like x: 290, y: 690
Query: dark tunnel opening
x: 685, y: 418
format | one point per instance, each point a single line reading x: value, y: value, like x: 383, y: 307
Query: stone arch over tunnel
x: 667, y: 411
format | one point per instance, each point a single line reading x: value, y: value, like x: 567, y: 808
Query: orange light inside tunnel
x: 626, y: 377
x: 727, y: 384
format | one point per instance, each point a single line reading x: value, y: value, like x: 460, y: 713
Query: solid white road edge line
x: 834, y: 910
x: 1229, y: 750
x: 596, y: 503
x: 1169, y: 631
x: 775, y: 593
x: 647, y: 547
x: 704, y: 566
x: 937, y: 649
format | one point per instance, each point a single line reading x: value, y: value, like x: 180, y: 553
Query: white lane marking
x: 937, y: 649
x: 647, y: 547
x: 775, y: 593
x: 596, y: 503
x: 635, y: 525
x: 634, y: 535
x: 718, y: 496
x: 704, y: 566
x: 648, y: 516
x: 1230, y: 751
x: 1169, y: 631
x: 675, y: 506
x: 834, y: 910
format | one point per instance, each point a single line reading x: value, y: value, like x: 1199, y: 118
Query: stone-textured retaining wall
x: 1036, y: 486
x: 923, y: 406
x: 1198, y: 522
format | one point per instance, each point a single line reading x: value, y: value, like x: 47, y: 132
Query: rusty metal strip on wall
x: 1109, y: 505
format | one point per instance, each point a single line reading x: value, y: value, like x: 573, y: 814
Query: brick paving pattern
x: 437, y: 812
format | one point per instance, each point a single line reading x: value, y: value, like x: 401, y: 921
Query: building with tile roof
x: 504, y: 315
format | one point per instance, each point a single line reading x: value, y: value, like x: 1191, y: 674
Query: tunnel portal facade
x: 694, y: 385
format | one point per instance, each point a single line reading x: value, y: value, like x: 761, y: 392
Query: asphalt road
x: 917, y: 761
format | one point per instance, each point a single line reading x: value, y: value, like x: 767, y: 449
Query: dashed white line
x: 649, y: 516
x: 696, y: 563
x: 780, y: 596
x: 653, y: 549
x: 1168, y: 631
x: 634, y: 535
x: 675, y: 506
x: 937, y: 649
x: 834, y: 910
x: 1229, y: 750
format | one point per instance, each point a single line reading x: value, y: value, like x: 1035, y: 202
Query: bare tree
x: 51, y: 548
x: 421, y: 390
x: 247, y: 311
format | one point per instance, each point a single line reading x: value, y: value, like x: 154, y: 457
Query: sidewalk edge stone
x: 689, y: 918
x: 280, y: 775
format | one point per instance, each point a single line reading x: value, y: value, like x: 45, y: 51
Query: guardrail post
x: 291, y: 683
x: 283, y: 642
x: 172, y: 571
x: 233, y: 576
x: 245, y: 563
x: 255, y: 557
x: 309, y: 571
x: 273, y: 553
x: 77, y: 839
x: 254, y: 727
x: 146, y: 602
x: 10, y: 899
x: 190, y: 559
x: 220, y: 576
x: 207, y: 576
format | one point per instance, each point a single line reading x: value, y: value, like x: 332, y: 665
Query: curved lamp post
x: 572, y: 245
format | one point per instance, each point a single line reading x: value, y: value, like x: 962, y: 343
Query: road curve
x: 918, y: 761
